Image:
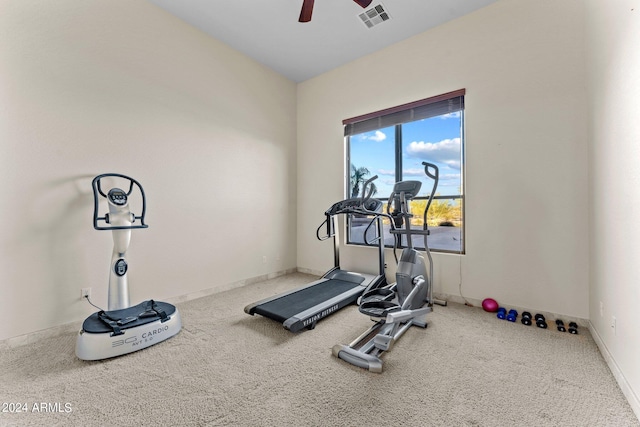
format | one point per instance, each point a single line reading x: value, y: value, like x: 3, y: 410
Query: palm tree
x: 358, y: 177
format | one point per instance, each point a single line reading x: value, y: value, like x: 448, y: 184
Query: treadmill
x: 303, y: 307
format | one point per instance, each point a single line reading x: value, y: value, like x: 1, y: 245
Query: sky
x: 436, y: 140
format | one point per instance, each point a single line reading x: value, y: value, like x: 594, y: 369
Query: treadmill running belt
x: 283, y: 308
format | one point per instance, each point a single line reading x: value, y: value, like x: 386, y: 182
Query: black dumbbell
x: 540, y: 321
x: 560, y: 325
x: 573, y: 328
x: 502, y: 313
x: 512, y: 315
x: 526, y: 318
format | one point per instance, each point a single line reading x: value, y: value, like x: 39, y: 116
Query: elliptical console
x: 123, y: 329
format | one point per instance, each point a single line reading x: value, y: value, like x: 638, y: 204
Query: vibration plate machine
x: 303, y: 307
x: 397, y: 307
x: 123, y: 328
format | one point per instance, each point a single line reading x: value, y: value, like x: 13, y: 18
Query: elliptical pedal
x: 378, y: 309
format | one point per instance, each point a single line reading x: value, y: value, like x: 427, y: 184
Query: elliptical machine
x: 410, y: 299
x: 123, y: 328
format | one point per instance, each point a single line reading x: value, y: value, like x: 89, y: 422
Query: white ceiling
x: 269, y: 32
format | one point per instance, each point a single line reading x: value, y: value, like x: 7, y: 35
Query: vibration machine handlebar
x: 118, y: 201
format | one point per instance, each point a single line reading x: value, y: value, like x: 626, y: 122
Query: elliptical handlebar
x: 436, y: 177
x: 365, y: 196
x: 433, y: 175
x: 97, y: 191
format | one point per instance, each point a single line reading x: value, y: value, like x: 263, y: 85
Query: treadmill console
x: 354, y: 205
x: 373, y: 205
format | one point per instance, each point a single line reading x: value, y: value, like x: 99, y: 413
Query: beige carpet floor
x: 226, y: 368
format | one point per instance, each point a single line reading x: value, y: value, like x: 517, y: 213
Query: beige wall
x: 522, y: 64
x: 93, y: 87
x: 122, y: 86
x: 613, y: 37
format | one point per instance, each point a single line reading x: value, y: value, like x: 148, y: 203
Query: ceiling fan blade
x: 307, y: 10
x: 363, y: 3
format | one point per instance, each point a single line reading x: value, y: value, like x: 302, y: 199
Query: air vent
x: 374, y: 16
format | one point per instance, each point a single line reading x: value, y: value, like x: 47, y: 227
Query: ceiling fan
x: 307, y: 8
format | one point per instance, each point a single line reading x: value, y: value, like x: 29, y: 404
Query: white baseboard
x: 311, y: 272
x: 228, y: 286
x: 75, y: 326
x: 36, y: 336
x: 547, y: 314
x: 617, y: 373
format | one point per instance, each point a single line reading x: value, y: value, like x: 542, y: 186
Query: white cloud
x: 413, y: 172
x: 378, y: 136
x: 453, y: 164
x: 446, y: 151
x: 451, y: 177
x: 454, y: 115
x: 455, y: 177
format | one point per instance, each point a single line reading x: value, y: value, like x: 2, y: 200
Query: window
x: 392, y: 144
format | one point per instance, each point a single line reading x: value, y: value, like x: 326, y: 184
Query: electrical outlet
x: 613, y: 324
x: 601, y: 309
x: 264, y: 259
x: 85, y: 293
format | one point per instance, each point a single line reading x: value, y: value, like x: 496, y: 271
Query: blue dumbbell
x: 502, y: 313
x: 512, y: 315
